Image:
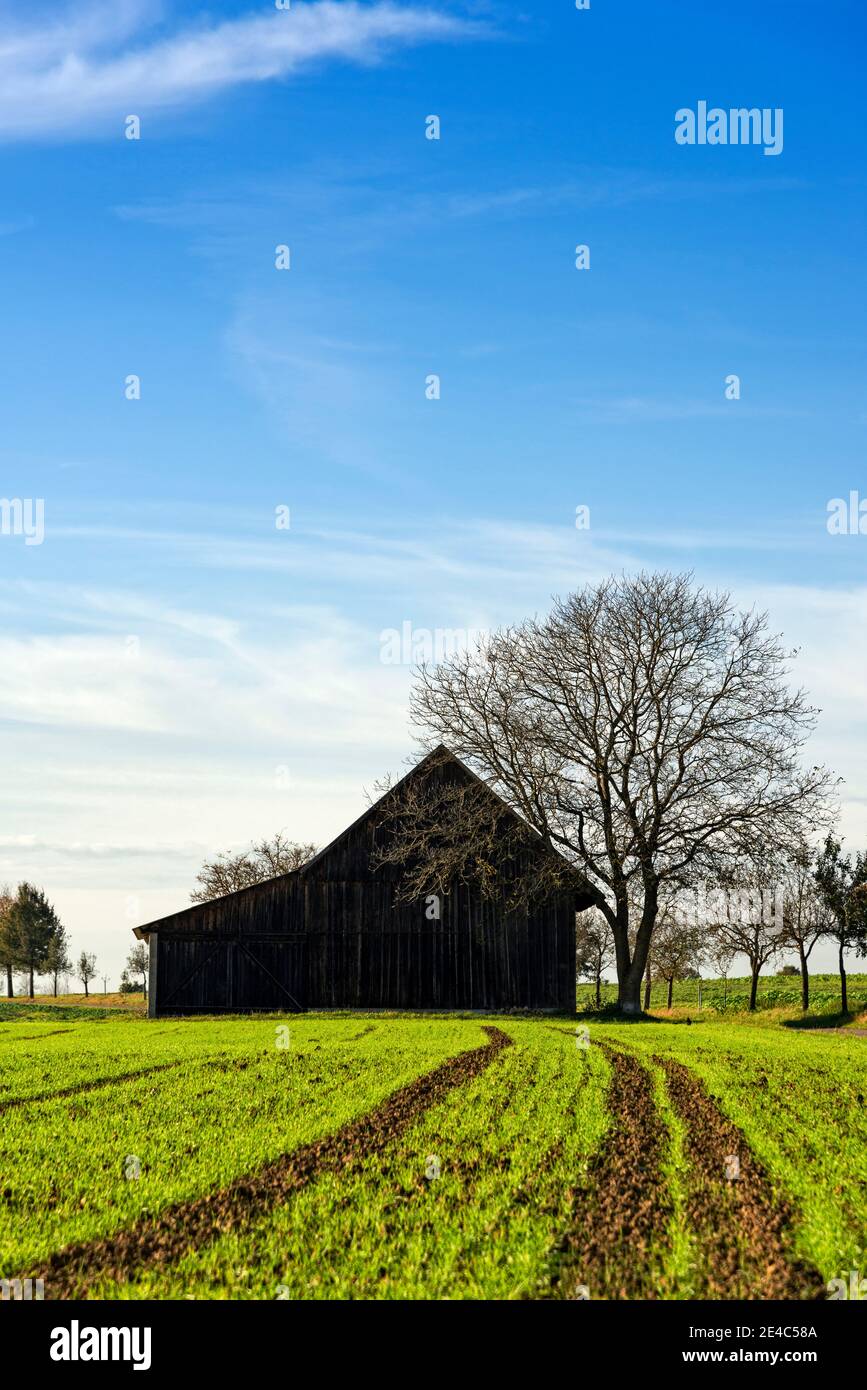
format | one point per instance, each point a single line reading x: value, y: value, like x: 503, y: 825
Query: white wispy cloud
x: 96, y: 64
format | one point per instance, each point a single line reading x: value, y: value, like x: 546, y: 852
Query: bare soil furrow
x: 743, y: 1229
x: 83, y: 1086
x: 620, y: 1229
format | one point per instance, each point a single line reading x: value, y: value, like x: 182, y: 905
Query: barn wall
x: 333, y: 944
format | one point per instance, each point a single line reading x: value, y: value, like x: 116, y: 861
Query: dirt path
x: 622, y: 1210
x: 742, y: 1228
x: 162, y: 1239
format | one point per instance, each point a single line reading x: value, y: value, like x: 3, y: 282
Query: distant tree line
x: 775, y: 905
x: 34, y: 942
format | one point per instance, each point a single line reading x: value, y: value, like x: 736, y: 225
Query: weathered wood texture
x: 335, y: 935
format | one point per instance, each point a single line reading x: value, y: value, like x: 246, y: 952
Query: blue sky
x: 179, y: 676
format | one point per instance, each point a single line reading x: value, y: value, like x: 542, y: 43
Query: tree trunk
x: 754, y: 989
x: 647, y: 985
x: 10, y: 988
x: 55, y: 986
x: 670, y: 989
x: 844, y: 1000
x: 630, y: 973
x: 805, y: 981
x: 629, y: 990
x: 598, y: 989
x: 31, y: 982
x: 85, y: 989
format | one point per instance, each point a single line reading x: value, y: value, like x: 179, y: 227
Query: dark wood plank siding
x: 358, y: 949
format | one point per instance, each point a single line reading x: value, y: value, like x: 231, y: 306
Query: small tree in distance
x: 839, y: 878
x: 263, y: 860
x: 719, y: 957
x: 806, y: 918
x: 678, y: 944
x: 750, y: 926
x: 57, y: 960
x: 138, y: 961
x: 594, y: 949
x: 86, y: 969
x: 33, y: 923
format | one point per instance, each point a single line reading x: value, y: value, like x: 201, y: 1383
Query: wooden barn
x: 335, y: 934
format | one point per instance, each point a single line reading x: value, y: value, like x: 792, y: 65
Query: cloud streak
x: 69, y: 78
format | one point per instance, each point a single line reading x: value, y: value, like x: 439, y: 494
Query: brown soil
x: 743, y: 1230
x: 622, y: 1210
x: 185, y: 1226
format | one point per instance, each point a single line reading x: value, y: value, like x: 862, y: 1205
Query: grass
x: 229, y: 1099
x: 471, y: 1200
x: 67, y: 1006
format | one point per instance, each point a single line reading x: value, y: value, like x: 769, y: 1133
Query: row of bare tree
x: 778, y: 910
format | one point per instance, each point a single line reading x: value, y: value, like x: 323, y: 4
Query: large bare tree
x: 645, y: 729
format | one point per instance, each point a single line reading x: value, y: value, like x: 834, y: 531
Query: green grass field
x: 371, y: 1156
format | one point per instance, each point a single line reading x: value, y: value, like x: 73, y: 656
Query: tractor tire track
x: 36, y: 1037
x: 620, y: 1225
x: 162, y: 1239
x: 744, y: 1230
x: 119, y: 1079
x: 81, y: 1087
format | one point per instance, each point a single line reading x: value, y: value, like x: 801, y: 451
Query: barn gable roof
x: 437, y: 757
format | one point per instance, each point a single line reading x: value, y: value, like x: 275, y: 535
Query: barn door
x: 194, y: 975
x: 270, y: 973
x: 197, y: 975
